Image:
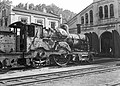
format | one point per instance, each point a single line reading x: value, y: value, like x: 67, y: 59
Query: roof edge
x: 36, y: 12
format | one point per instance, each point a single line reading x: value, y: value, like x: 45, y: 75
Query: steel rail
x: 113, y: 84
x: 117, y: 84
x: 56, y: 75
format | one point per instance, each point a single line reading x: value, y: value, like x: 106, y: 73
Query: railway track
x: 40, y: 78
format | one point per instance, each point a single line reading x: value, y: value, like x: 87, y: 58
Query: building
x: 10, y: 14
x: 100, y: 21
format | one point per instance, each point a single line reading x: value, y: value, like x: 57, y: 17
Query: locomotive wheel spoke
x: 62, y: 59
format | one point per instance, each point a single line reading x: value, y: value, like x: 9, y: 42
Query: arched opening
x: 116, y: 44
x: 106, y: 43
x: 93, y: 41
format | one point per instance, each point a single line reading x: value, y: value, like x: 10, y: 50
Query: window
x: 78, y: 28
x: 6, y: 21
x: 106, y: 11
x: 18, y: 31
x: 4, y: 12
x: 31, y: 31
x: 91, y: 17
x: 24, y: 20
x: 101, y: 12
x: 111, y: 10
x: 1, y: 22
x: 86, y: 18
x: 53, y: 25
x: 40, y: 22
x: 82, y: 20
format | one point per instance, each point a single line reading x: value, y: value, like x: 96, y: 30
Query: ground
x: 104, y: 79
x: 99, y: 79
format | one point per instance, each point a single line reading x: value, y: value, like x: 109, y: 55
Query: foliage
x: 20, y: 6
x: 8, y: 2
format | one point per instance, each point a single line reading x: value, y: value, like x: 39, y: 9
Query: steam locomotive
x: 34, y: 45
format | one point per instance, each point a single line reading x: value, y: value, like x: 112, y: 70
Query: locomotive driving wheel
x: 91, y: 58
x: 37, y: 60
x: 63, y: 59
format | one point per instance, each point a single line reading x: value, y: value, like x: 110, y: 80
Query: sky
x: 73, y: 5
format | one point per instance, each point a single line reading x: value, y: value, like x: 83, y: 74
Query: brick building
x: 100, y: 21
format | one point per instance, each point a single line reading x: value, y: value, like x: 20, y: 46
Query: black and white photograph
x: 60, y: 43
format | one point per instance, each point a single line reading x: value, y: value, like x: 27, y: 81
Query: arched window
x: 91, y: 17
x: 86, y: 18
x: 111, y: 10
x: 106, y: 11
x: 101, y: 12
x: 82, y: 20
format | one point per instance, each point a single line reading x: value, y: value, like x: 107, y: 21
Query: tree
x: 20, y: 5
x: 31, y: 6
x: 8, y: 2
x: 26, y: 7
x: 38, y: 8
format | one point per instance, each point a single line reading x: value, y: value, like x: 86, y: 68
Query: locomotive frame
x: 36, y: 46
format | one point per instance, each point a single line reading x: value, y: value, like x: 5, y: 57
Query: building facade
x: 10, y: 14
x: 100, y: 21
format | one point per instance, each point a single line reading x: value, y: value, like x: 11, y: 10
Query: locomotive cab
x: 22, y: 32
x: 19, y: 30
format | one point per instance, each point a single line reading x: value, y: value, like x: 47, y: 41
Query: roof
x: 19, y: 24
x: 36, y: 12
x: 16, y: 24
x: 79, y: 13
x: 35, y: 24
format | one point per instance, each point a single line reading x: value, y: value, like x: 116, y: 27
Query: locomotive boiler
x: 34, y: 45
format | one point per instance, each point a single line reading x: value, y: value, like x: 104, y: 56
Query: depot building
x: 100, y: 21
